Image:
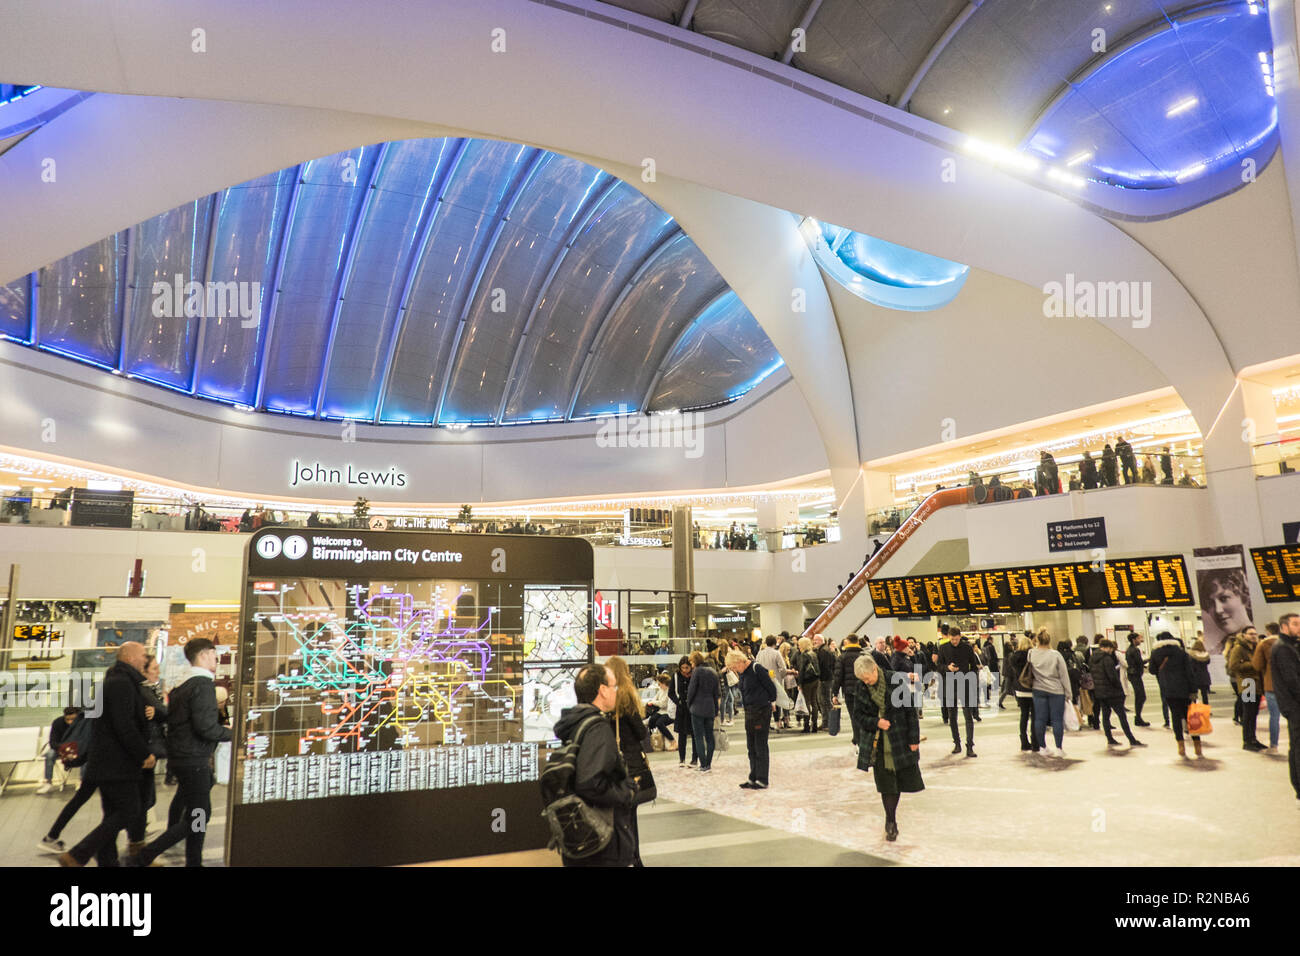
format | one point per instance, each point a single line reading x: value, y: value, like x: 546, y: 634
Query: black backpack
x: 577, y: 829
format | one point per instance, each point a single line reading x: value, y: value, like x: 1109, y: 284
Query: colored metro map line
x: 345, y: 666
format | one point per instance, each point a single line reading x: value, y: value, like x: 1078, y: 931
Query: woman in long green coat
x: 890, y: 735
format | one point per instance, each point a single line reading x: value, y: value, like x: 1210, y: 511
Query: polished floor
x: 1094, y: 807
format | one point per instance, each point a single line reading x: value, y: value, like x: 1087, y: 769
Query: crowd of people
x: 885, y: 686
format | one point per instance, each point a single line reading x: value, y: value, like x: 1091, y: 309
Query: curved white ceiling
x: 868, y: 172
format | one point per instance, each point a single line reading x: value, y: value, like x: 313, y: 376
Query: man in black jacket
x: 826, y: 662
x: 193, y: 732
x: 1109, y: 690
x: 119, y: 750
x: 845, y: 682
x: 758, y: 694
x: 600, y: 776
x: 1284, y: 668
x: 959, y: 667
x: 1133, y: 664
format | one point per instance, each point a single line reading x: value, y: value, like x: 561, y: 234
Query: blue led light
x: 1180, y: 105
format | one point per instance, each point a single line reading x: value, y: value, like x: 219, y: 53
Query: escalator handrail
x: 932, y: 503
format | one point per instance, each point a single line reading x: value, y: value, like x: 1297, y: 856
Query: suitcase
x: 833, y: 721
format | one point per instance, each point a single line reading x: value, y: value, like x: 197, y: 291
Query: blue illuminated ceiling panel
x: 1177, y: 105
x: 881, y: 272
x: 723, y: 352
x: 438, y: 281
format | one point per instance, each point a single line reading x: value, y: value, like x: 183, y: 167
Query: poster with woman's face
x: 1224, y: 593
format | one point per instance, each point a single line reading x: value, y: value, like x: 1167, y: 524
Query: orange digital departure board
x: 1279, y: 572
x: 1119, y: 582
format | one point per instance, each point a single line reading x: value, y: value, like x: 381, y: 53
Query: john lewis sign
x: 348, y: 475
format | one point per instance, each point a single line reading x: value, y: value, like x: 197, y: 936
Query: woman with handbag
x: 1018, y: 665
x: 1173, y: 669
x: 891, y: 736
x: 633, y: 741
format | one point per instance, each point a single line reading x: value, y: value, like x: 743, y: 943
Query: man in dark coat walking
x: 119, y: 750
x: 1108, y: 690
x: 959, y: 668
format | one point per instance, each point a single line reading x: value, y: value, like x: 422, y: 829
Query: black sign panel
x: 1079, y: 535
x: 1279, y: 572
x: 332, y: 553
x: 1120, y: 582
x: 101, y: 509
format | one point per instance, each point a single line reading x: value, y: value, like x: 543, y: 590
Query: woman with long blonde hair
x: 633, y: 738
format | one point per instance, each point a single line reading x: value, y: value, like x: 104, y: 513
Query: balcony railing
x: 987, y: 487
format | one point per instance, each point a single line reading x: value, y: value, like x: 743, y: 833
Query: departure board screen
x: 1279, y: 572
x: 1120, y: 582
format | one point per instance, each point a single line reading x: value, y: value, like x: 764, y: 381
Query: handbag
x: 1198, y: 720
x: 642, y: 779
x: 833, y: 722
x: 1026, y: 678
x: 721, y: 742
x: 732, y: 679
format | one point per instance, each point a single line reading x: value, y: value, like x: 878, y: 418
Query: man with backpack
x: 599, y: 777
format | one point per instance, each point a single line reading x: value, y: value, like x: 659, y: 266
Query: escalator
x: 858, y: 584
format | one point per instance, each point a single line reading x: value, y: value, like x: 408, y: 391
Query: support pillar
x: 683, y: 611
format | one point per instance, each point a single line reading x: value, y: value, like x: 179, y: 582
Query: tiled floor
x: 1098, y: 807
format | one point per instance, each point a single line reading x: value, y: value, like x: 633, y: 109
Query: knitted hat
x: 900, y: 645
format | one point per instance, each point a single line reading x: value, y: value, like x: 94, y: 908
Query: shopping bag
x: 221, y: 762
x: 801, y: 706
x: 1071, y: 717
x: 833, y: 721
x: 721, y: 742
x: 1198, y: 719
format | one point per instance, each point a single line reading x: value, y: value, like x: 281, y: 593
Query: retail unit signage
x: 1082, y: 534
x: 1116, y: 583
x: 349, y: 475
x: 102, y: 509
x: 1279, y: 572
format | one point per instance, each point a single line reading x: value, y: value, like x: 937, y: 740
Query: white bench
x: 19, y: 745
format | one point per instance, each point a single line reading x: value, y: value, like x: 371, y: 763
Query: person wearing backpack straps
x: 600, y: 776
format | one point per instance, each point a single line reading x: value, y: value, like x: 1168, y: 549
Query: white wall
x: 106, y: 421
x: 1279, y: 501
x: 987, y: 359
